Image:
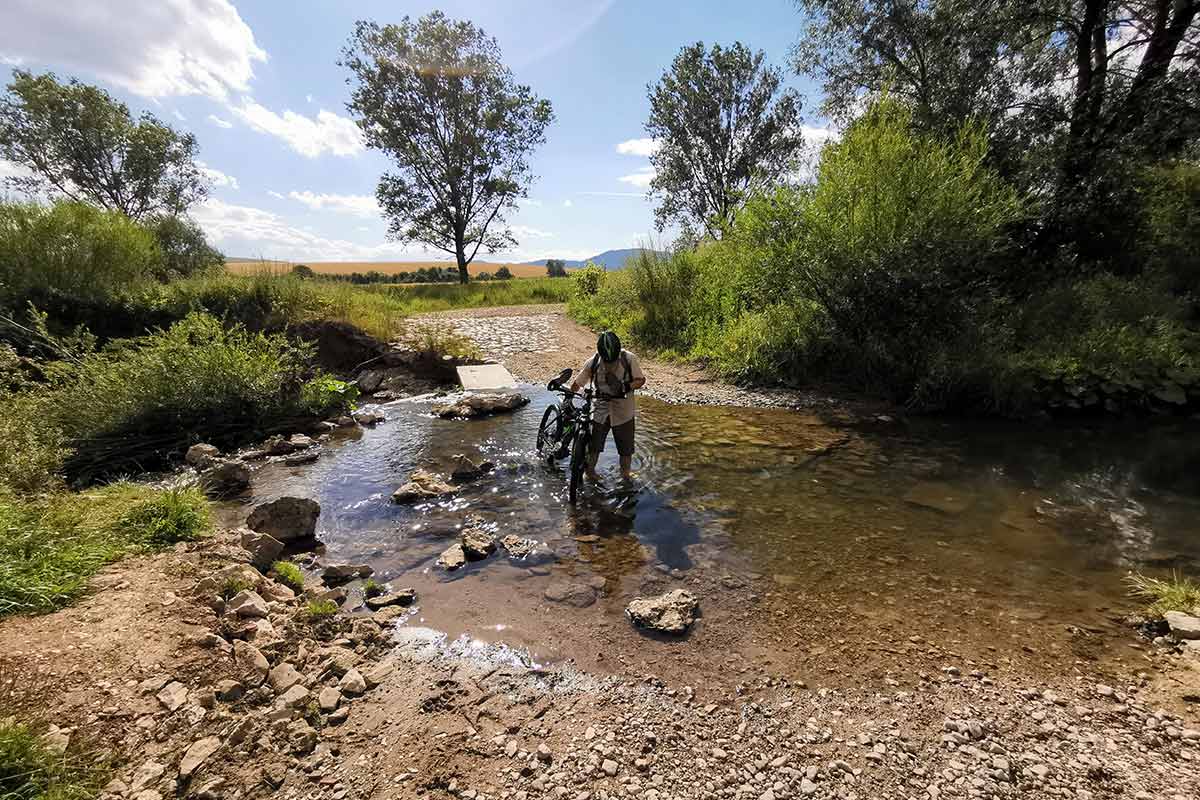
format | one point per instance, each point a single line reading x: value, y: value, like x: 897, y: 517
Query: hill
x: 609, y: 259
x: 251, y: 265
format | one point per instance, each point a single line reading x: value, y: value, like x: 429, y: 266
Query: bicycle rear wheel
x: 549, y: 432
x: 579, y: 460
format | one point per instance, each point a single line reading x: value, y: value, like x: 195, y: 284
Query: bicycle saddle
x: 557, y: 383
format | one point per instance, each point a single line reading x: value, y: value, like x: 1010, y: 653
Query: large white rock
x: 287, y: 519
x: 1183, y: 626
x: 672, y: 612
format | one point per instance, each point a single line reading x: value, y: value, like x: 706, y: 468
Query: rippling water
x: 901, y: 528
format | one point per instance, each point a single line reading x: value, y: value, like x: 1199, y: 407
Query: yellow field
x: 251, y: 266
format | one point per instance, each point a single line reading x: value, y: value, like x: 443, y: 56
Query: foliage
x: 82, y: 144
x: 320, y: 610
x: 442, y: 297
x: 70, y: 249
x: 1177, y: 593
x: 183, y: 249
x: 724, y: 128
x: 372, y: 588
x: 31, y: 451
x: 50, y: 545
x: 434, y: 96
x: 1170, y: 221
x: 304, y: 272
x: 232, y: 587
x: 588, y: 280
x: 31, y: 770
x: 289, y: 575
x: 503, y: 274
x: 326, y: 396
x: 556, y: 268
x: 135, y: 403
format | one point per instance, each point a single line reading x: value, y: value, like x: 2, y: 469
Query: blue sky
x: 259, y: 85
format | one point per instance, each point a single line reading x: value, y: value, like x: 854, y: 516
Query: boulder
x: 201, y: 455
x: 173, y: 695
x: 672, y: 612
x: 478, y: 543
x: 367, y: 418
x: 1183, y: 626
x: 302, y: 737
x: 452, y: 557
x: 341, y: 573
x: 467, y: 470
x: 579, y: 595
x: 299, y: 441
x: 303, y: 457
x: 277, y: 446
x: 293, y: 697
x: 480, y: 405
x: 225, y: 478
x: 229, y: 690
x: 422, y: 485
x: 283, y: 677
x: 379, y: 673
x: 287, y: 519
x: 352, y: 683
x: 247, y: 603
x: 264, y: 549
x: 200, y: 750
x: 329, y: 698
x: 369, y: 380
x: 251, y: 663
x: 404, y: 597
x: 518, y: 547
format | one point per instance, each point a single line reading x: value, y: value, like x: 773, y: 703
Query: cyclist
x: 615, y: 373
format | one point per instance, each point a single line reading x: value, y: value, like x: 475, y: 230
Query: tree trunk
x: 460, y: 255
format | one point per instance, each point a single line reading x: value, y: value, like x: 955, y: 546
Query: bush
x: 70, y: 249
x: 182, y: 247
x: 587, y: 281
x: 30, y: 770
x: 503, y: 274
x: 289, y: 575
x: 326, y: 396
x: 51, y: 545
x: 319, y: 610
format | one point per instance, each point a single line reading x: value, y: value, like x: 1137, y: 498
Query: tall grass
x: 1176, y: 593
x: 31, y: 770
x: 50, y: 545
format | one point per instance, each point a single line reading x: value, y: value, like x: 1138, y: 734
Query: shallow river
x: 817, y: 552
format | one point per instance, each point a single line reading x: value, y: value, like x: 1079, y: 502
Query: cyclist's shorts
x: 622, y: 435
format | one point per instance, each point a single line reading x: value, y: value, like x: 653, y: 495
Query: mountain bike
x: 567, y: 428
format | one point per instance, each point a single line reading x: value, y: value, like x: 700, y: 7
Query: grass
x: 428, y: 297
x: 232, y: 587
x: 29, y: 770
x: 51, y: 545
x: 1176, y: 593
x: 320, y: 610
x: 372, y: 588
x: 289, y: 575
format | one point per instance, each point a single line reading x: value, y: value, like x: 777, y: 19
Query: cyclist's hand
x: 628, y: 389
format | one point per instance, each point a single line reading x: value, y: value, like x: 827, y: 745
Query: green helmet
x: 609, y: 346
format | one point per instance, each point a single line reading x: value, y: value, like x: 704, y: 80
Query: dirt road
x: 536, y: 342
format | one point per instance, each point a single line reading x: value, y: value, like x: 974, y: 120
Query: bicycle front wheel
x: 579, y: 460
x: 549, y: 432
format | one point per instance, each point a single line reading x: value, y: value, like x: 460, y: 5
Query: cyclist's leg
x: 599, y: 435
x: 623, y: 435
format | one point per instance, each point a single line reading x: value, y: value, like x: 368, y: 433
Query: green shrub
x: 289, y: 575
x: 52, y: 544
x: 325, y: 396
x: 318, y: 610
x: 70, y: 249
x: 587, y: 281
x: 371, y: 588
x: 32, y: 447
x: 232, y: 587
x: 30, y: 770
x: 183, y: 248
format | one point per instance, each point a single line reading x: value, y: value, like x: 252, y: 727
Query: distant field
x: 251, y: 266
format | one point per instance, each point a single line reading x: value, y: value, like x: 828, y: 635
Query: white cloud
x: 528, y: 232
x: 640, y: 178
x: 530, y: 203
x: 361, y: 205
x: 158, y: 49
x: 638, y: 147
x: 611, y: 194
x: 567, y: 203
x: 275, y: 194
x: 247, y: 232
x: 308, y: 98
x: 220, y: 123
x: 307, y: 136
x: 179, y: 115
x: 218, y: 178
x: 817, y: 137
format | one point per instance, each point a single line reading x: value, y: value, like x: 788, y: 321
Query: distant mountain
x: 609, y: 259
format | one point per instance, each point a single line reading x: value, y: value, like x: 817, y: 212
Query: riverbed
x: 820, y: 552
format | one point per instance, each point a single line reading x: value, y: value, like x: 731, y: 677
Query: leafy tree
x: 185, y: 251
x: 304, y: 272
x: 435, y: 97
x: 82, y: 144
x: 725, y: 128
x: 1074, y: 93
x: 556, y: 268
x: 503, y: 274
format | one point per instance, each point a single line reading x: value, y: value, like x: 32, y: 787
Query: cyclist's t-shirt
x: 611, y: 379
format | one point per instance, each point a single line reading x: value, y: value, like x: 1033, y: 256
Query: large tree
x: 436, y: 98
x: 1064, y: 84
x: 724, y: 126
x: 77, y: 141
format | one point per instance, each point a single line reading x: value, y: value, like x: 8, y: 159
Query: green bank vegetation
x: 31, y: 769
x: 1174, y: 593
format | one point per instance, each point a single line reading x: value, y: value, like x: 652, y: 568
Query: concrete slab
x: 486, y: 376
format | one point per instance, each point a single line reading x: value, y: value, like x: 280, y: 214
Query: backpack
x: 624, y: 363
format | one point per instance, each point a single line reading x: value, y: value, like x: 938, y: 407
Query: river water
x: 825, y: 553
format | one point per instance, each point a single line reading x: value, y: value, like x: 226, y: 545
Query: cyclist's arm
x: 583, y: 377
x: 637, y: 377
